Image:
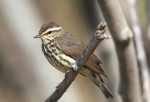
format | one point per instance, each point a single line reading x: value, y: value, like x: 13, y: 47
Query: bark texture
x: 141, y: 56
x: 122, y: 35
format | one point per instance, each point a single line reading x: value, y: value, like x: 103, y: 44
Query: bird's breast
x: 57, y: 58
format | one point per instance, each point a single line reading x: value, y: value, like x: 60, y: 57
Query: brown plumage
x: 62, y: 49
x: 73, y: 47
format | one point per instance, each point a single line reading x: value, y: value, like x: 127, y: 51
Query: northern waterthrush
x: 62, y: 50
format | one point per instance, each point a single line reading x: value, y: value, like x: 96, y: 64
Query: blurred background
x: 26, y: 75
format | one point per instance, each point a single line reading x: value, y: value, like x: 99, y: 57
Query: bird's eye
x: 49, y: 32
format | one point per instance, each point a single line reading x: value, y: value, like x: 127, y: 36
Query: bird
x: 62, y: 49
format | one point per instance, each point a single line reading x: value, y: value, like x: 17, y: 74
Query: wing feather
x: 73, y: 47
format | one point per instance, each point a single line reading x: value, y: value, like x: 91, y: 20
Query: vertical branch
x: 147, y: 37
x: 122, y: 35
x: 147, y: 7
x: 141, y: 57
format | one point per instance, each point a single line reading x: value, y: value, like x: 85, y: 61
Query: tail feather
x: 97, y: 80
x: 105, y: 90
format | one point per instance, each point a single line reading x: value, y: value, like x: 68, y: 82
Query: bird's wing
x: 73, y: 47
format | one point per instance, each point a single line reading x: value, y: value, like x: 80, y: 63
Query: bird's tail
x: 97, y: 79
x: 105, y: 90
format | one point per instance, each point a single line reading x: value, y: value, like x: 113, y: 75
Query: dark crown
x: 48, y: 25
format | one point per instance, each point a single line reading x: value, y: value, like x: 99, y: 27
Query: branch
x: 141, y: 56
x: 122, y: 35
x: 70, y: 76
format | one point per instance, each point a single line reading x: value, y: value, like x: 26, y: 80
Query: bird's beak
x: 37, y: 36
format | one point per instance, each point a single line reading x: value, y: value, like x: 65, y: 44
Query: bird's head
x: 49, y: 31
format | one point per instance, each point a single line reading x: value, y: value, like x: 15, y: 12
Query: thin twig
x: 70, y: 76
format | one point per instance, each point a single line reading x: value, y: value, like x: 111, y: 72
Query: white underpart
x: 68, y: 58
x: 74, y: 66
x: 71, y: 60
